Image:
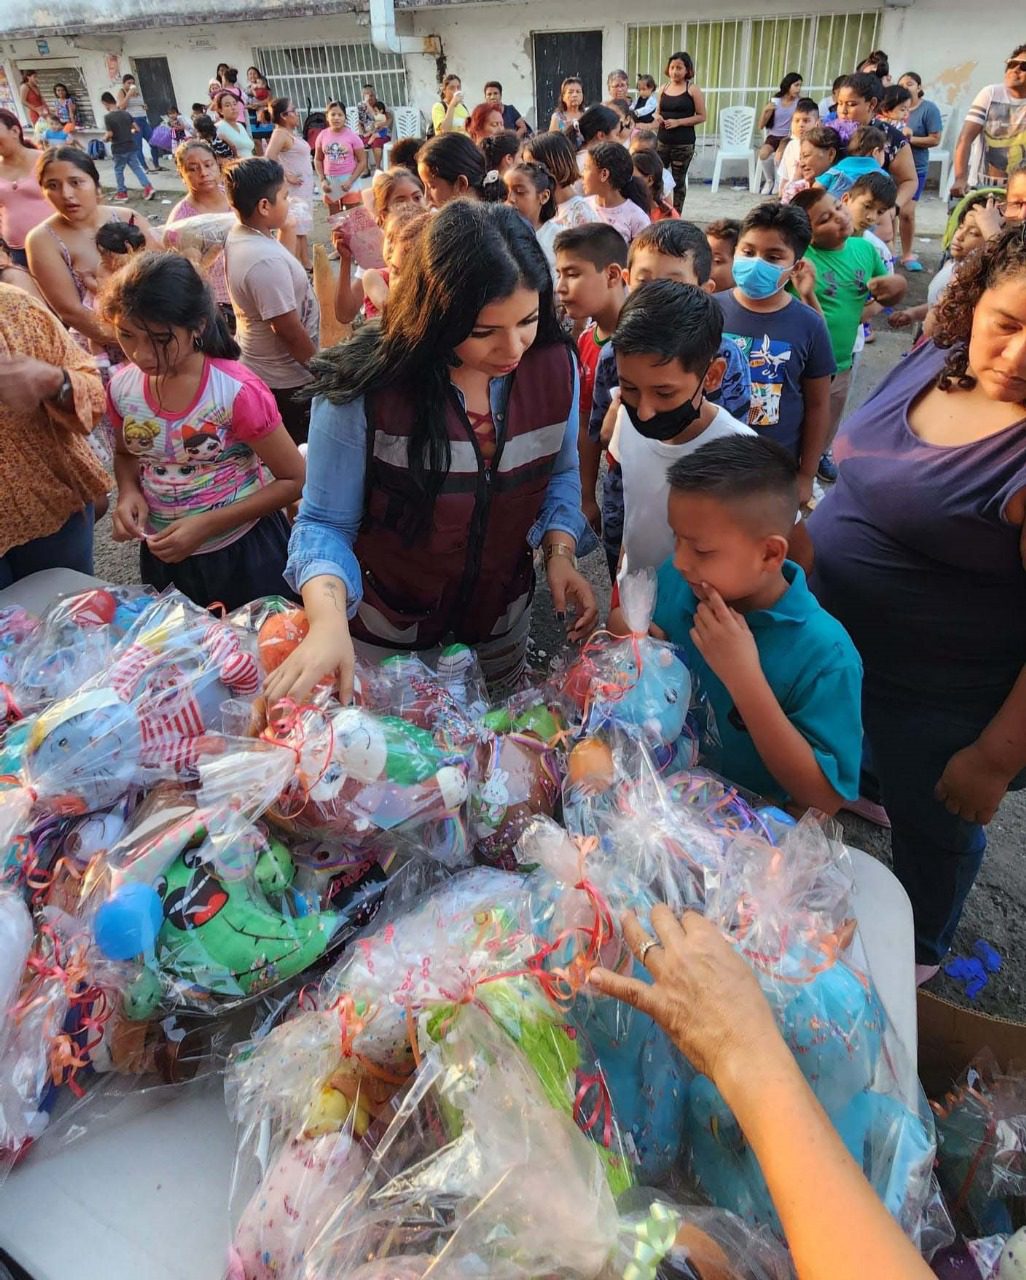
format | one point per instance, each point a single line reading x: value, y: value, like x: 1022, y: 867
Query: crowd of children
x: 711, y: 373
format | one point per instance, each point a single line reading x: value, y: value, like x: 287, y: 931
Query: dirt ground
x: 996, y: 910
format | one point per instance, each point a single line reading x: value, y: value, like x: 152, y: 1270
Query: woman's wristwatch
x: 561, y: 549
x: 63, y: 396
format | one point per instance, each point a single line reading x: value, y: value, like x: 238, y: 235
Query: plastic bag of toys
x: 17, y: 627
x: 787, y: 909
x: 74, y: 641
x: 140, y: 720
x: 200, y: 238
x: 636, y: 682
x: 197, y: 902
x: 981, y: 1146
x: 371, y: 786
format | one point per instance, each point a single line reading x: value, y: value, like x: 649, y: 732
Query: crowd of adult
x: 554, y: 302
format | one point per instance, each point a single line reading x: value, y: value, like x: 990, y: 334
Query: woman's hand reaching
x: 569, y: 585
x: 705, y: 997
x: 327, y: 650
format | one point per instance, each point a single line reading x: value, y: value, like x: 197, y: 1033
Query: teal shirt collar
x: 793, y: 606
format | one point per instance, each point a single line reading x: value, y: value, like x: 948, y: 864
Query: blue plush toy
x: 833, y: 1023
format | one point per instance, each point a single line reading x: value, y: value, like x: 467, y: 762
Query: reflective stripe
x: 518, y: 452
x: 392, y: 451
x: 529, y: 446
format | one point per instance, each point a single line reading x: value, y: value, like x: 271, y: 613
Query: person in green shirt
x: 850, y: 273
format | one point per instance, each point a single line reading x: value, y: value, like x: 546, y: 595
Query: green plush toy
x: 224, y: 937
x: 551, y: 1047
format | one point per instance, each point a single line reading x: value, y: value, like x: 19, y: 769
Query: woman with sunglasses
x: 998, y: 113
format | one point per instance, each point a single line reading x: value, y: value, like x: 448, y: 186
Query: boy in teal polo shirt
x: 780, y: 675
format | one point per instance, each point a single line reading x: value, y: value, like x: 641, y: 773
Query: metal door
x: 558, y: 54
x: 157, y: 89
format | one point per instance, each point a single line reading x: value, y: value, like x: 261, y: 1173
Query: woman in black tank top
x: 681, y: 107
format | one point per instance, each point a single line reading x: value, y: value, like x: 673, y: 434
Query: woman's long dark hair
x: 471, y: 255
x: 453, y: 156
x: 11, y: 121
x: 161, y: 291
x: 68, y: 155
x: 617, y: 162
x: 985, y: 268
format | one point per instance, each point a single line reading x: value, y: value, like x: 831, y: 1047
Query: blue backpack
x: 96, y: 149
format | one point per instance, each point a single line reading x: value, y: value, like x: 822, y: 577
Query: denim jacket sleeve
x: 562, y: 506
x: 333, y: 496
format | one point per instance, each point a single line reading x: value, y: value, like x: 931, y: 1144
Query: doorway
x: 558, y: 54
x: 158, y: 92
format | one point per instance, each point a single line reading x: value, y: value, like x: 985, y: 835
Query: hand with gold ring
x: 705, y: 997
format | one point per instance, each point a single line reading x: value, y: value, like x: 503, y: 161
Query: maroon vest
x: 472, y: 573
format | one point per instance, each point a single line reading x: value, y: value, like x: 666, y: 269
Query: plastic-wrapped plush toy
x: 787, y: 910
x: 517, y: 778
x: 201, y: 899
x: 200, y: 238
x: 17, y: 626
x: 479, y: 1171
x: 372, y: 784
x: 74, y: 642
x: 143, y: 718
x: 981, y: 1147
x: 637, y: 683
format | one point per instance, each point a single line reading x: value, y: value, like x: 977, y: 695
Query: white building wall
x: 955, y: 51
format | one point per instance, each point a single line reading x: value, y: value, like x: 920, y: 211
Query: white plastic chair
x: 407, y: 122
x: 941, y: 153
x: 737, y: 124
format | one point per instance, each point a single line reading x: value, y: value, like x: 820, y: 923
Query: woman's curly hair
x: 985, y: 268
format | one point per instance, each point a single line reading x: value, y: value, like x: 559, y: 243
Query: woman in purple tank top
x: 920, y: 552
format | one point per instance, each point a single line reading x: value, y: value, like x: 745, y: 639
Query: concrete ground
x: 996, y: 910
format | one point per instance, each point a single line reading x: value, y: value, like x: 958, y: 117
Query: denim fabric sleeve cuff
x: 300, y: 570
x: 332, y: 508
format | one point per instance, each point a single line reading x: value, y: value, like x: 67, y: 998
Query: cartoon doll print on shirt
x: 202, y: 443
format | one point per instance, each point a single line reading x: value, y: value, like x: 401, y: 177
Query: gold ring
x: 647, y: 947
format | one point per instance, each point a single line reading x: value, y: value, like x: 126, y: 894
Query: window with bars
x: 314, y: 75
x: 741, y: 61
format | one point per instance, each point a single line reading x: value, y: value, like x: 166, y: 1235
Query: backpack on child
x: 96, y: 149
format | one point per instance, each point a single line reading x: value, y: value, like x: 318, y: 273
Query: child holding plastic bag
x: 204, y: 465
x: 780, y: 676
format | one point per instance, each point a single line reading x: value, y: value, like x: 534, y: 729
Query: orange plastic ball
x: 280, y: 635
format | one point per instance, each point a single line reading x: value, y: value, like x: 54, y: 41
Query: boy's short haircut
x: 247, y: 182
x: 754, y: 475
x: 108, y: 100
x: 825, y: 138
x: 205, y: 128
x: 881, y: 187
x: 199, y: 108
x: 493, y: 84
x: 594, y: 243
x: 670, y: 320
x: 804, y: 105
x: 677, y: 239
x: 866, y: 140
x: 808, y: 199
x: 728, y: 229
x: 791, y: 222
x: 403, y: 154
x: 120, y: 237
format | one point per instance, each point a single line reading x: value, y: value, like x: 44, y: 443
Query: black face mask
x: 671, y: 422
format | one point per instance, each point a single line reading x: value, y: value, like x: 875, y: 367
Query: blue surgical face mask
x: 757, y: 278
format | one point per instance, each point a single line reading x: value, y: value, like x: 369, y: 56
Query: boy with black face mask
x: 666, y: 344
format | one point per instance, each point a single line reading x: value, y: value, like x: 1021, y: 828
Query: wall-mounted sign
x: 42, y: 46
